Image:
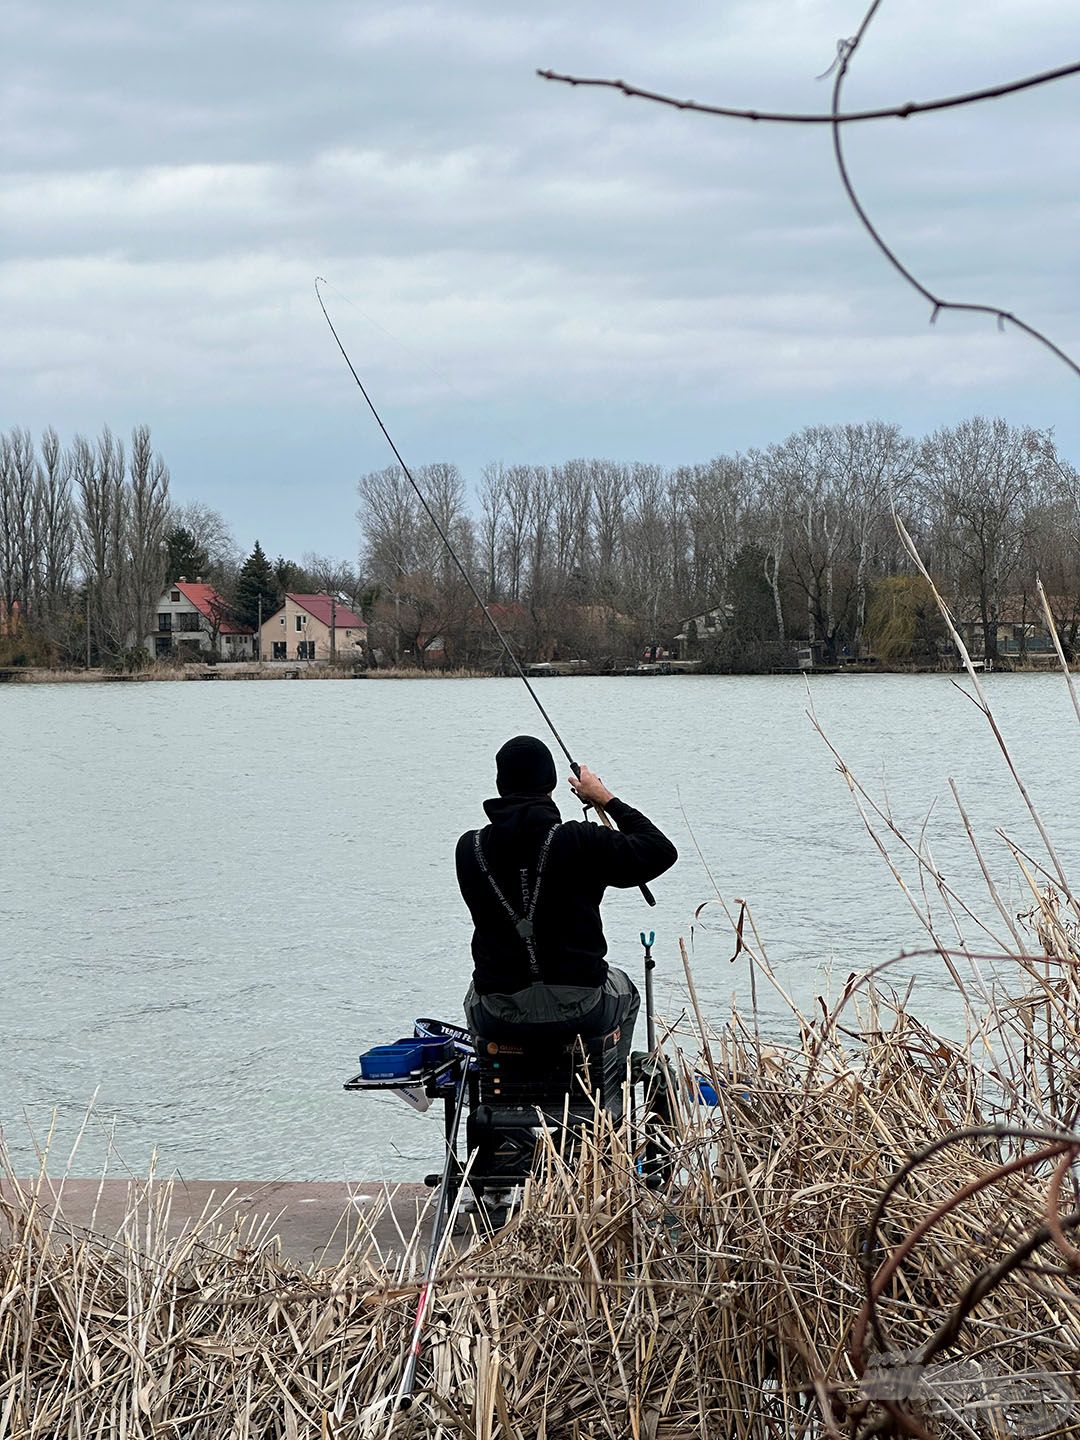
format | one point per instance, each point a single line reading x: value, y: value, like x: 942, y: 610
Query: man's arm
x: 634, y: 853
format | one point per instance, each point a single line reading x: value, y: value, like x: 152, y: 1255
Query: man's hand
x: 590, y: 788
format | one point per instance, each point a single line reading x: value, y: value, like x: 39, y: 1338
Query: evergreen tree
x: 256, y: 580
x: 749, y: 641
x: 185, y: 557
x: 291, y: 576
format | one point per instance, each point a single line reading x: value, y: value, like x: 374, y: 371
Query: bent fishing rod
x: 503, y: 641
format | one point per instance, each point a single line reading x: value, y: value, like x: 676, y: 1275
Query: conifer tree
x: 185, y: 557
x: 256, y: 579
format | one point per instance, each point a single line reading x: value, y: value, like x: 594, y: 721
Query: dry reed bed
x: 236, y: 670
x: 730, y: 1301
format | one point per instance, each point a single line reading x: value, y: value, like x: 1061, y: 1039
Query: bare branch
x: 782, y: 117
x: 837, y: 119
x: 1003, y: 317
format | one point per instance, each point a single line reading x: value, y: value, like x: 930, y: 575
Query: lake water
x: 212, y: 897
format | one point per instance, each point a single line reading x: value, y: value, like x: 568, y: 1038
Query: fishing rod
x: 574, y: 766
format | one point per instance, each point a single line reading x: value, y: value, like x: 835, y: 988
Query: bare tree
x: 874, y: 465
x: 334, y: 577
x: 979, y: 481
x: 714, y: 500
x: 148, y: 516
x: 18, y: 521
x: 98, y: 472
x: 646, y: 553
x: 519, y: 498
x: 56, y: 536
x: 609, y: 486
x: 212, y: 534
x: 571, y: 505
x: 388, y: 524
x: 1054, y: 551
x: 766, y: 525
x: 492, y: 511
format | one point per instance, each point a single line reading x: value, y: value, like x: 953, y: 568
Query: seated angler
x: 533, y: 884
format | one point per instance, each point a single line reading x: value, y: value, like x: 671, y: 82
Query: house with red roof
x: 194, y: 621
x: 312, y: 627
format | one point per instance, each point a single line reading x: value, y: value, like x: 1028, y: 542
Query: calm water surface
x: 212, y: 897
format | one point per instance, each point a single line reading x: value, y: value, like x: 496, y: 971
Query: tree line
x: 94, y: 512
x: 746, y: 556
x: 90, y: 538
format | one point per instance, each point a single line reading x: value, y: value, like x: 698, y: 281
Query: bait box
x: 410, y: 1056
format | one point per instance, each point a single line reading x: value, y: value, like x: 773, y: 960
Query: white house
x: 193, y: 620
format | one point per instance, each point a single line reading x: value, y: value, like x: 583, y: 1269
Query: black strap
x: 523, y: 924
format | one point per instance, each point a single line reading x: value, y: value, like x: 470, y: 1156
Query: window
x: 174, y: 596
x: 279, y: 649
x: 188, y: 623
x: 301, y: 621
x: 164, y: 621
x: 305, y: 650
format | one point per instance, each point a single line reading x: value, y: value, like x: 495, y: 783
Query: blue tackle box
x: 413, y: 1055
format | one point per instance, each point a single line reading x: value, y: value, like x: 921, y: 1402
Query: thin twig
x: 937, y: 302
x: 786, y: 117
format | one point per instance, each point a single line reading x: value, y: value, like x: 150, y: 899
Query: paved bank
x: 312, y: 1218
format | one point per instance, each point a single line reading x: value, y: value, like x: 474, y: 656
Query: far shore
x: 302, y: 670
x: 320, y: 670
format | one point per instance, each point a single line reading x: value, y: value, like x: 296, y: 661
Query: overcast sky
x: 519, y: 271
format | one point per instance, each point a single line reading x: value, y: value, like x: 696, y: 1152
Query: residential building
x: 310, y: 627
x: 194, y: 621
x: 698, y: 630
x: 1019, y: 628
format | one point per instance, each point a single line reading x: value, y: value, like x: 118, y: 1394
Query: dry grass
x: 413, y: 672
x: 37, y: 675
x: 730, y: 1301
x: 240, y: 670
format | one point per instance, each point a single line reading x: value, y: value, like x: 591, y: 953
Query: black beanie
x: 524, y: 767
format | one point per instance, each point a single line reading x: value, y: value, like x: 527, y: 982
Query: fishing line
x: 507, y: 433
x: 319, y: 280
x: 442, y: 533
x: 415, y: 356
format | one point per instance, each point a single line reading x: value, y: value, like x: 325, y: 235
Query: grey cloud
x: 174, y: 176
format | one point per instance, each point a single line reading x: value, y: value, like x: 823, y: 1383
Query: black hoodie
x: 584, y: 859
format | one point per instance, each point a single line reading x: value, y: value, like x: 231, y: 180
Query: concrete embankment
x: 312, y: 1218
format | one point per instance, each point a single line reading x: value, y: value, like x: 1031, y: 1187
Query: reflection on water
x: 214, y: 896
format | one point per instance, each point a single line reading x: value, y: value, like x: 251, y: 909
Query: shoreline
x: 308, y: 671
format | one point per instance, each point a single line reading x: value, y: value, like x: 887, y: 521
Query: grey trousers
x: 544, y: 1012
